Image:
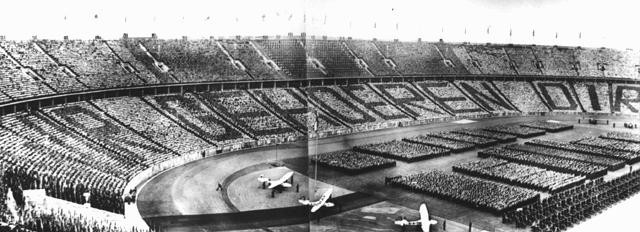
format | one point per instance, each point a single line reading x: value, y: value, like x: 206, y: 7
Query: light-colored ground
x: 247, y: 194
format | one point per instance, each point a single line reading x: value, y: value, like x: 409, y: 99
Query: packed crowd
x: 334, y: 57
x: 490, y: 59
x: 375, y: 60
x: 502, y: 137
x: 142, y: 117
x: 618, y: 63
x: 96, y: 65
x: 519, y: 174
x: 557, y: 61
x: 415, y: 58
x: 289, y: 54
x: 62, y: 184
x: 557, y: 95
x: 42, y: 154
x: 402, y: 150
x: 49, y: 220
x: 195, y: 60
x: 610, y: 143
x: 103, y: 130
x: 334, y: 100
x: 239, y: 107
x: 522, y: 95
x: 28, y: 54
x: 256, y: 64
x: 453, y: 145
x: 611, y: 163
x: 569, y: 207
x: 622, y: 136
x: 131, y: 63
x: 17, y: 85
x: 588, y: 149
x: 352, y: 162
x: 486, y: 95
x: 546, y: 162
x: 524, y: 60
x: 450, y: 97
x: 187, y: 110
x: 289, y: 104
x: 517, y: 130
x: 474, y: 192
x: 478, y: 141
x: 591, y: 63
x: 373, y: 102
x: 548, y: 126
x: 408, y: 99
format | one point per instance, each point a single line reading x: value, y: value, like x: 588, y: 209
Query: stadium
x: 144, y: 133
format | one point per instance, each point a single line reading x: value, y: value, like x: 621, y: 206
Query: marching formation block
x: 402, y: 150
x: 519, y: 174
x: 470, y: 191
x: 522, y: 132
x: 547, y: 126
x: 352, y: 162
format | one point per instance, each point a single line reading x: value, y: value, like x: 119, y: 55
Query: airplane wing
x: 425, y: 223
x: 316, y: 207
x: 281, y: 181
x: 323, y: 201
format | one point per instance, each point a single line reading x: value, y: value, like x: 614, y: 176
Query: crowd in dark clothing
x: 19, y: 179
x: 40, y: 220
x: 474, y: 192
x: 564, y: 209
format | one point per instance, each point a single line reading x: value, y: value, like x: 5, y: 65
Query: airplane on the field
x: 279, y: 182
x: 319, y: 203
x: 424, y: 221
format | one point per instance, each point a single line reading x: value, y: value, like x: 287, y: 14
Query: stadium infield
x: 190, y: 189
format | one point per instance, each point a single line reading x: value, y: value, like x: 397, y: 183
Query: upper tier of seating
x: 42, y: 67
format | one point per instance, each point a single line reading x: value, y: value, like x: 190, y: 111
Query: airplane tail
x: 433, y: 222
x: 328, y: 204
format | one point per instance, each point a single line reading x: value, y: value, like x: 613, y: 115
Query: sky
x: 587, y: 23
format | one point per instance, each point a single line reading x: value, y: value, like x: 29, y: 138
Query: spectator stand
x: 594, y: 96
x: 559, y: 96
x: 522, y: 95
x: 624, y: 99
x: 375, y: 103
x: 375, y: 60
x: 405, y: 97
x: 449, y: 97
x: 486, y: 96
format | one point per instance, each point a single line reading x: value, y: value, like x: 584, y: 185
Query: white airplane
x: 319, y: 203
x: 424, y: 221
x: 280, y: 182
